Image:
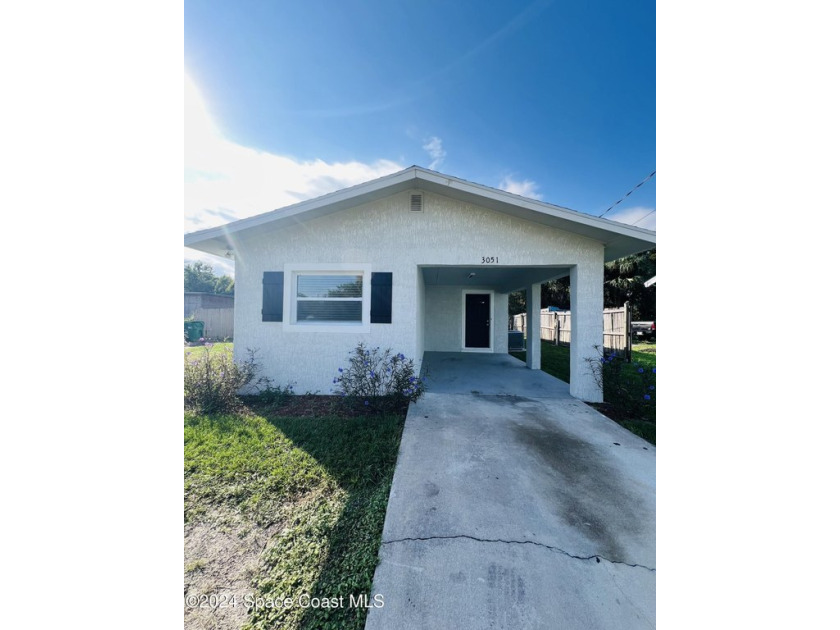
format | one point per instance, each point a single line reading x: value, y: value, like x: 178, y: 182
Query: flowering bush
x: 212, y: 380
x: 629, y: 387
x: 380, y: 380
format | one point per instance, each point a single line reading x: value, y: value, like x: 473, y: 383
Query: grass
x: 215, y: 348
x: 555, y: 361
x: 321, y: 483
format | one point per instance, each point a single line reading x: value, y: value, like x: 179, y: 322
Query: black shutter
x: 272, y: 310
x: 380, y: 298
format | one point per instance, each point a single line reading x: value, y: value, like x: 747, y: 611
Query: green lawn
x: 641, y: 420
x: 215, y: 348
x: 320, y: 485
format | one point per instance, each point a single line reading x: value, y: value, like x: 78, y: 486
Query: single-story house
x: 416, y: 261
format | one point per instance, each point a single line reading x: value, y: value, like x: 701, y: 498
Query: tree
x: 224, y: 285
x: 199, y: 277
x: 624, y: 281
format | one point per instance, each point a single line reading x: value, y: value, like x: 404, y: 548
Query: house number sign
x: 487, y: 260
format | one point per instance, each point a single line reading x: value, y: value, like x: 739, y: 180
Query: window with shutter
x: 327, y: 297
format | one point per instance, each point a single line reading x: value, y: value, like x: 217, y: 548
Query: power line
x: 639, y: 185
x: 644, y: 217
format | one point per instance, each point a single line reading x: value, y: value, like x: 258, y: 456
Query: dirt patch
x: 221, y: 557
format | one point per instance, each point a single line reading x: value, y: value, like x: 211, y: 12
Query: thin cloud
x: 225, y: 181
x: 523, y: 188
x: 640, y: 216
x: 434, y: 147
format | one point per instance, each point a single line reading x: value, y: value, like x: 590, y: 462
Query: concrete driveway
x: 515, y: 505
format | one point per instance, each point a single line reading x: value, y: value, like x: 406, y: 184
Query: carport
x: 488, y: 375
x: 465, y: 309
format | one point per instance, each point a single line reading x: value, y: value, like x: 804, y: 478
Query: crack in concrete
x: 596, y: 557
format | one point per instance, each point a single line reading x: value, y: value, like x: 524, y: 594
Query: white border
x: 464, y: 293
x: 291, y: 270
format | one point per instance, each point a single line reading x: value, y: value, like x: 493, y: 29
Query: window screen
x: 329, y: 298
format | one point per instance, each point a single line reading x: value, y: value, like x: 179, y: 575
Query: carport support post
x: 587, y: 297
x: 533, y: 350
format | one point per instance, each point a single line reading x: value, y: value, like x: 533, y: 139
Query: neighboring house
x: 216, y: 311
x: 650, y: 282
x: 415, y: 261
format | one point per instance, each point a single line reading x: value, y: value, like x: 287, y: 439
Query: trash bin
x: 516, y: 340
x: 193, y: 331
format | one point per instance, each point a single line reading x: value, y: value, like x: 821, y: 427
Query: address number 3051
x: 487, y: 260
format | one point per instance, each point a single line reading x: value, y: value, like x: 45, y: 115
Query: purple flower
x: 335, y: 380
x: 402, y: 357
x: 651, y: 388
x: 641, y: 370
x: 372, y: 374
x: 366, y: 403
x: 412, y: 379
x: 647, y: 396
x: 340, y: 369
x: 654, y: 370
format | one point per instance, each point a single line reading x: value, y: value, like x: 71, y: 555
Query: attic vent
x: 417, y: 203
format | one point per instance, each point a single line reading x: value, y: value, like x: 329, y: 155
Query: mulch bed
x: 315, y: 405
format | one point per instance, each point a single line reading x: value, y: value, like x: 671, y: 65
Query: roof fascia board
x: 612, y: 234
x: 510, y: 199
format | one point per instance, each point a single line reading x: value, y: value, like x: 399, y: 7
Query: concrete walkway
x: 515, y: 505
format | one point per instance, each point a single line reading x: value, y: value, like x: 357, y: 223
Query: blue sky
x: 285, y: 101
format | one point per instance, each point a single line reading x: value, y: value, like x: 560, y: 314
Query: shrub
x: 380, y: 380
x: 212, y: 380
x: 629, y: 387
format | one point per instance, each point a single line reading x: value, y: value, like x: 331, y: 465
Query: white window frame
x: 464, y: 293
x: 291, y: 271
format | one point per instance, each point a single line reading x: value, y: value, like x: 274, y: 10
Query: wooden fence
x: 556, y: 326
x: 218, y: 322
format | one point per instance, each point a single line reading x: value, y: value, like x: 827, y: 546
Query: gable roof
x: 619, y: 239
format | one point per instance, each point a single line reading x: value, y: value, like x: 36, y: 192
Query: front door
x: 477, y: 321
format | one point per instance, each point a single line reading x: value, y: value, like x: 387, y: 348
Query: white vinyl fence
x: 556, y: 326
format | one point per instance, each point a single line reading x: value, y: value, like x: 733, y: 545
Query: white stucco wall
x: 500, y: 322
x: 387, y: 236
x: 420, y: 314
x: 587, y: 297
x: 443, y: 318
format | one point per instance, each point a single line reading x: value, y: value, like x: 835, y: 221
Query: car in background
x: 644, y: 331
